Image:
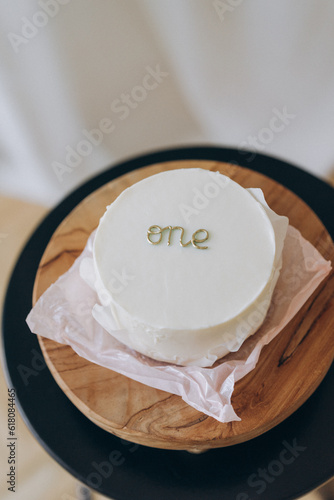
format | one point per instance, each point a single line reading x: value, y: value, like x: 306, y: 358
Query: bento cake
x: 188, y: 260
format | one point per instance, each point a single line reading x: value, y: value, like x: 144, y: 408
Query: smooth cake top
x: 185, y: 286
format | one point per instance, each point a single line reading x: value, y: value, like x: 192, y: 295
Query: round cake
x: 186, y: 262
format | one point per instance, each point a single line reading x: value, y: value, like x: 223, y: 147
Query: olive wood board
x: 289, y: 369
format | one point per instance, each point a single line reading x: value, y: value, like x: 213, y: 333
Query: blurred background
x: 85, y: 84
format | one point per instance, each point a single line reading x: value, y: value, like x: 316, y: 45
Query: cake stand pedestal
x: 292, y: 458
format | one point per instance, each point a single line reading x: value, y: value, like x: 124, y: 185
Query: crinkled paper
x: 64, y: 314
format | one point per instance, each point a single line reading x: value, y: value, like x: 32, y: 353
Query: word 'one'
x: 157, y: 231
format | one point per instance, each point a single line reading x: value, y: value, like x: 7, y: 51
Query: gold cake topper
x: 157, y: 230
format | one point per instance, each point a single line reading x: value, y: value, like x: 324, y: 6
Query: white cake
x: 186, y: 262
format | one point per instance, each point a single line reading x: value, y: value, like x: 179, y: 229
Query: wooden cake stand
x: 289, y: 370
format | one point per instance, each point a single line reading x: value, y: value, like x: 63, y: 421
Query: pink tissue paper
x: 64, y: 314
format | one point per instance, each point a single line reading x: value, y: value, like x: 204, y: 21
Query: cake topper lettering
x: 157, y: 231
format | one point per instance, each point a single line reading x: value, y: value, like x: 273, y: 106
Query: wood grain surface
x: 289, y: 370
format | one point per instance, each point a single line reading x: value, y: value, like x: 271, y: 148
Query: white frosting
x: 187, y: 305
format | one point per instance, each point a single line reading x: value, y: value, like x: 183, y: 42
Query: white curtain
x: 87, y: 83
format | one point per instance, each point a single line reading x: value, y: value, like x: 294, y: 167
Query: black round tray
x: 284, y: 463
